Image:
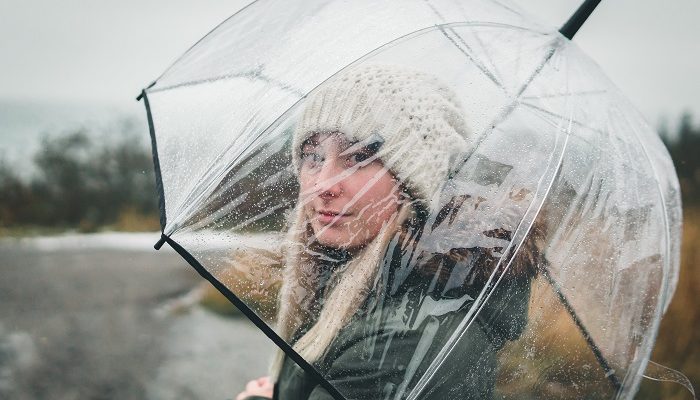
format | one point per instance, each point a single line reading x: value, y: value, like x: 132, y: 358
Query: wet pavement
x: 90, y: 317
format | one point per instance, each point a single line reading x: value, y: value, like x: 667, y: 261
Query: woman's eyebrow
x: 309, y: 143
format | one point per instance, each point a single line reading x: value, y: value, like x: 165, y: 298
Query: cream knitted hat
x: 417, y: 120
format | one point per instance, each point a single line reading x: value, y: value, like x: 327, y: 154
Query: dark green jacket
x: 383, y: 352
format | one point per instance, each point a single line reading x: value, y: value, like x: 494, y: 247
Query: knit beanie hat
x: 416, y: 120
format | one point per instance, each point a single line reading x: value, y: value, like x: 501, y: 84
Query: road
x: 89, y: 317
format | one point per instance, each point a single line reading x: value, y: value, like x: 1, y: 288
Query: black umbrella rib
x: 609, y: 371
x: 266, y: 329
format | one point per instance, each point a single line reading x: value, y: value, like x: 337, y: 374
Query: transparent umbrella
x: 419, y: 199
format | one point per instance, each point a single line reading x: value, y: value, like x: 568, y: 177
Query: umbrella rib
x: 663, y: 300
x: 461, y: 40
x: 481, y: 43
x: 211, y: 175
x: 249, y: 74
x: 188, y: 211
x: 580, y: 93
x: 202, y: 40
x: 464, y: 51
x: 507, y: 110
x: 266, y: 329
x: 519, y: 235
x: 219, y: 173
x: 488, y: 57
x: 507, y: 7
x: 500, y: 118
x: 555, y: 115
x: 609, y: 371
x: 631, y: 166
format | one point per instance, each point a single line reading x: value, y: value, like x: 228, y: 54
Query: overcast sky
x: 100, y: 51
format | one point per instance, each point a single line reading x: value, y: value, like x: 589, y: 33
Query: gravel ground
x: 82, y: 317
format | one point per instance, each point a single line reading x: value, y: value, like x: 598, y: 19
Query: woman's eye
x: 311, y: 160
x: 357, y: 158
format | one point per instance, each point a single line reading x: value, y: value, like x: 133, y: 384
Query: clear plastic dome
x: 529, y: 207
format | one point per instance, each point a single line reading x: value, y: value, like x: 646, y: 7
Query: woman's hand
x: 262, y: 386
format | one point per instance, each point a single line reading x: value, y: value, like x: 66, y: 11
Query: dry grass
x: 131, y: 220
x: 552, y: 360
x: 255, y: 277
x: 560, y: 356
x: 678, y: 342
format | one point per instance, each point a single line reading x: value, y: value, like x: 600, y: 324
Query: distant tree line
x: 684, y: 147
x: 84, y: 181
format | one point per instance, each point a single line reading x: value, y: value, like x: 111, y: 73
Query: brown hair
x: 525, y: 261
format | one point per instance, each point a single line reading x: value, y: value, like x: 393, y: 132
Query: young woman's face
x: 348, y: 195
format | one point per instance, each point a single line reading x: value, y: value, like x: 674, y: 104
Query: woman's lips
x: 328, y: 217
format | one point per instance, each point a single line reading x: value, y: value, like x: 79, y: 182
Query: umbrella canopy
x: 534, y: 203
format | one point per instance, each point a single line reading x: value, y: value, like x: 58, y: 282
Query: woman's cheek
x: 363, y: 230
x: 308, y: 212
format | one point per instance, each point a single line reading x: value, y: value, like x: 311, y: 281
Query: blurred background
x: 89, y: 310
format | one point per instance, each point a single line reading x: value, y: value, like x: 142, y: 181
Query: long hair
x: 346, y: 291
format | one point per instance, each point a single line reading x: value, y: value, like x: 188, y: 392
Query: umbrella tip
x: 160, y: 242
x: 143, y: 91
x: 577, y: 20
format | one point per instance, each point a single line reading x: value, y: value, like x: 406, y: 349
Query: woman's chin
x: 339, y: 236
x: 340, y: 241
x: 333, y: 242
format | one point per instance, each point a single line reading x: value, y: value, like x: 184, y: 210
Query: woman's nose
x: 329, y: 183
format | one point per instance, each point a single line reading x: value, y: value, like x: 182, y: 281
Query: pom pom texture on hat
x: 417, y: 119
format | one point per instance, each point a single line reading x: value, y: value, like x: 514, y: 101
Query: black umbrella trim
x: 156, y: 162
x: 284, y: 346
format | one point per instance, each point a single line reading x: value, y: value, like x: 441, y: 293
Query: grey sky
x: 96, y: 50
x: 99, y: 51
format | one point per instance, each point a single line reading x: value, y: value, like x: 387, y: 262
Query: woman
x: 365, y: 298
